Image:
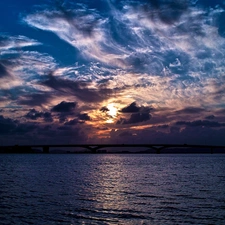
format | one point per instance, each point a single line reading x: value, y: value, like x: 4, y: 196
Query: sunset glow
x: 109, y: 69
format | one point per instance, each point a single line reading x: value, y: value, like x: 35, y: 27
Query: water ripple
x: 112, y: 189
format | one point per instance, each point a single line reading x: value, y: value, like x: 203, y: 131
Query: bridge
x: 94, y: 148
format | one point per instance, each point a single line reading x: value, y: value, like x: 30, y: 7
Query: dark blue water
x: 112, y: 189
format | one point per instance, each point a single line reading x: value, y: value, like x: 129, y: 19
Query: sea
x: 112, y: 189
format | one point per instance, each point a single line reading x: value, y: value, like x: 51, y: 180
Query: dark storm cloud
x: 14, y: 127
x: 7, y: 125
x: 132, y: 108
x: 64, y: 107
x: 34, y: 115
x: 47, y: 117
x: 66, y: 130
x: 138, y: 114
x: 64, y: 110
x: 104, y: 109
x: 71, y: 122
x: 188, y: 135
x: 25, y: 128
x: 84, y: 116
x: 201, y: 123
x: 62, y: 117
x: 12, y: 132
x: 138, y: 117
x: 79, y: 89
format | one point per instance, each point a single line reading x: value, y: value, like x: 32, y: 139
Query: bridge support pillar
x: 45, y: 149
x: 211, y: 150
x: 94, y: 150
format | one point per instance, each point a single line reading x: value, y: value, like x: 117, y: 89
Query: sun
x: 112, y: 112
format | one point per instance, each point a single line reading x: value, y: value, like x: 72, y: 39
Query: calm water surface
x: 112, y: 189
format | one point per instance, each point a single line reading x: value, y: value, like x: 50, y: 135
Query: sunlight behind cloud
x: 112, y: 112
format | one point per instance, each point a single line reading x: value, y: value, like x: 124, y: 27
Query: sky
x: 112, y: 71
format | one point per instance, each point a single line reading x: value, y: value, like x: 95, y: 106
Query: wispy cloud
x: 169, y: 57
x: 9, y: 43
x: 84, y: 31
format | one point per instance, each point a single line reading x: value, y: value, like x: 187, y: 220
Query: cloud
x: 34, y: 99
x: 104, y: 109
x: 34, y: 115
x: 67, y: 109
x: 78, y: 89
x: 64, y: 107
x: 168, y: 12
x: 152, y: 41
x: 71, y: 122
x: 30, y: 65
x: 84, y: 31
x: 47, y: 117
x: 138, y: 114
x: 139, y: 117
x: 8, y: 43
x: 132, y: 108
x: 211, y: 117
x: 86, y: 24
x: 170, y: 135
x: 3, y: 70
x: 164, y: 54
x: 191, y: 110
x: 25, y: 128
x: 7, y: 125
x: 84, y: 116
x: 201, y: 123
x: 165, y: 126
x: 20, y: 68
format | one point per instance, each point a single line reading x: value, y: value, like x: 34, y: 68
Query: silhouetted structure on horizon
x: 100, y: 148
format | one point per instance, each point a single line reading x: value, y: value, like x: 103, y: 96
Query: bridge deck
x: 95, y: 147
